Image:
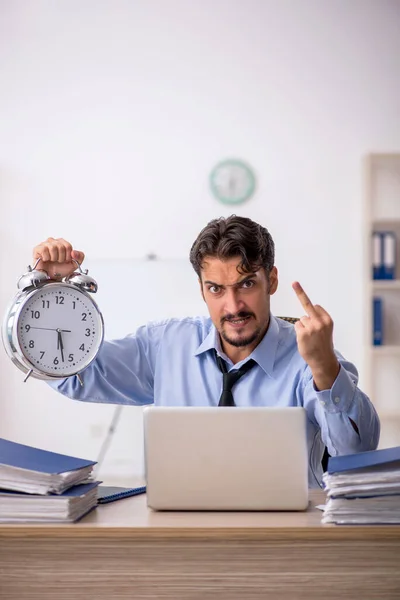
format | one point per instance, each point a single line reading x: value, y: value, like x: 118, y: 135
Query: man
x: 179, y: 361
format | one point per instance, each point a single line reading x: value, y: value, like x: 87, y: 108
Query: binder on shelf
x: 377, y: 320
x: 36, y: 471
x: 389, y: 255
x: 377, y: 255
x: 384, y: 251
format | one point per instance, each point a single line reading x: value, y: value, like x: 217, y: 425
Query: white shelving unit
x: 382, y: 363
x: 378, y: 285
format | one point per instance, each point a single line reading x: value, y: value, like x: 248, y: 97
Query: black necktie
x: 229, y: 379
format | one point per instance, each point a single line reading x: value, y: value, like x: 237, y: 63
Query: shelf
x: 384, y: 156
x: 386, y: 221
x: 382, y: 363
x: 386, y: 350
x: 386, y: 284
x: 388, y: 416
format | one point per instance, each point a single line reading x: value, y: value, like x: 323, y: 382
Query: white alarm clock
x: 53, y: 329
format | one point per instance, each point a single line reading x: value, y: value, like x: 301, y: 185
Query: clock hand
x: 51, y: 329
x: 60, y: 343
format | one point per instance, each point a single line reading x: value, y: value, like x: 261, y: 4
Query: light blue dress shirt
x: 172, y: 363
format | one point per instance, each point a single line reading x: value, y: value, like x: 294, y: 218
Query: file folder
x: 389, y: 255
x: 384, y: 255
x: 68, y: 507
x: 361, y: 460
x: 377, y: 255
x: 377, y: 322
x: 33, y: 470
x: 107, y: 493
x: 17, y: 455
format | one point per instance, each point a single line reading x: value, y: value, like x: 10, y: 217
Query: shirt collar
x: 264, y: 354
x: 210, y: 342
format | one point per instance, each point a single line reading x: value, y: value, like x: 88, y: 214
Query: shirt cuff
x: 340, y: 397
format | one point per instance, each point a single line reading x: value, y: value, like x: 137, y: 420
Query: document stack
x: 363, y: 488
x: 41, y: 486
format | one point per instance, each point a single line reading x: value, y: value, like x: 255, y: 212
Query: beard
x: 240, y: 341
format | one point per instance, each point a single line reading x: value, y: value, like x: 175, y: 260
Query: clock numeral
x: 27, y: 327
x: 31, y: 344
x: 70, y: 358
x: 87, y: 332
x: 42, y: 353
x: 55, y: 361
x: 73, y: 304
x: 35, y: 314
x: 60, y: 299
x: 84, y: 315
x: 82, y: 347
x: 46, y: 303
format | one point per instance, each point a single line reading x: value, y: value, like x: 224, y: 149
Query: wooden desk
x: 124, y: 550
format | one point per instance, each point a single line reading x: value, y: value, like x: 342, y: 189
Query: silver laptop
x: 227, y: 458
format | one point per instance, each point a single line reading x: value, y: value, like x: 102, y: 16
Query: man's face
x: 238, y: 303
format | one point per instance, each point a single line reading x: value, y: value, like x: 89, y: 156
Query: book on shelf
x: 363, y: 488
x: 68, y: 507
x: 37, y: 471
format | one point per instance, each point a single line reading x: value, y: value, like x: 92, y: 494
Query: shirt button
x: 322, y: 402
x: 337, y: 400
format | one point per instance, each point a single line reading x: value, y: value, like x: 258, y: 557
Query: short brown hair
x: 226, y: 238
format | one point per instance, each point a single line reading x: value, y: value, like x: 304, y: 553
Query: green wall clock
x: 232, y: 181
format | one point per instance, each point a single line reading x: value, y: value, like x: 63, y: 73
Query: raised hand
x: 56, y: 257
x: 314, y: 332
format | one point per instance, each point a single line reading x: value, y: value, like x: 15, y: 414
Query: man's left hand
x: 315, y: 341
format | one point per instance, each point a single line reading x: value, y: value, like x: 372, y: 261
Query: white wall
x: 112, y: 114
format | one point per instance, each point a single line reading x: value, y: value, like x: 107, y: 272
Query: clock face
x: 232, y: 182
x: 59, y: 330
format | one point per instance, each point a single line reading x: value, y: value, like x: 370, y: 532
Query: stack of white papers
x: 363, y: 488
x: 36, y: 471
x: 41, y: 486
x: 70, y: 506
x: 35, y: 482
